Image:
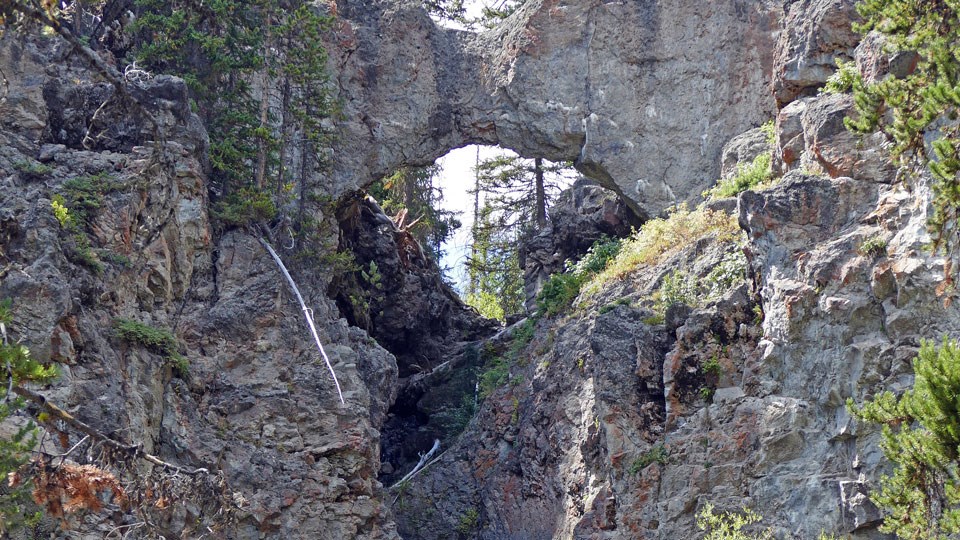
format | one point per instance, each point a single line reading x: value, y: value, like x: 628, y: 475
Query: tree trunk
x: 541, y: 198
x: 263, y: 144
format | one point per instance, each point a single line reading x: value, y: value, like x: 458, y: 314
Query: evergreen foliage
x: 158, y: 340
x: 416, y: 191
x: 16, y: 509
x: 919, y: 111
x: 921, y: 436
x: 516, y: 195
x: 496, y: 279
x: 234, y: 54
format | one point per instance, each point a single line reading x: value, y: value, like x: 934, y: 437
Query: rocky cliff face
x: 605, y: 431
x: 601, y: 429
x: 641, y: 96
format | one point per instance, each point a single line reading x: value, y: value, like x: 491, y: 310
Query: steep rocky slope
x: 602, y: 429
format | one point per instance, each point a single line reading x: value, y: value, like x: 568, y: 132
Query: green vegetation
x: 921, y: 437
x: 751, y: 176
x: 918, y: 111
x: 496, y: 369
x: 32, y: 168
x: 233, y: 55
x: 511, y: 199
x: 414, y: 193
x: 730, y: 271
x: 677, y: 287
x: 843, y: 79
x: 874, y: 245
x: 245, y: 206
x: 562, y: 289
x: 657, y: 454
x: 659, y: 238
x: 158, y: 340
x: 75, y: 208
x: 712, y: 366
x: 16, y: 507
x: 729, y: 525
x: 468, y: 521
x: 747, y: 177
x: 613, y: 305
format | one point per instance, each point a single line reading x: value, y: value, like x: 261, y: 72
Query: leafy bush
x: 730, y: 271
x: 843, y: 79
x: 158, y: 340
x: 661, y: 237
x: 598, y: 256
x: 874, y: 245
x: 676, y: 288
x: 558, y: 293
x: 712, y: 366
x: 562, y: 289
x: 921, y: 436
x: 746, y: 177
x: 656, y: 454
x: 729, y: 525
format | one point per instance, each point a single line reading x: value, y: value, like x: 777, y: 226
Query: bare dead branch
x: 134, y: 450
x: 307, y: 313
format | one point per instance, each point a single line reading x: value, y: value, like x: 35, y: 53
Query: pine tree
x: 918, y: 112
x: 414, y: 195
x: 516, y: 194
x: 921, y: 436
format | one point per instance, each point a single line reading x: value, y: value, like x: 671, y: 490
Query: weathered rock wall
x: 641, y: 96
x: 257, y: 402
x: 845, y: 292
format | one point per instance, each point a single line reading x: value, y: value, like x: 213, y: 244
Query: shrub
x: 746, y: 177
x: 712, y: 366
x: 562, y: 289
x: 729, y: 525
x: 676, y: 288
x: 598, y: 256
x: 60, y: 211
x: 246, y: 206
x: 558, y: 293
x: 158, y: 340
x: 661, y: 237
x: 730, y: 271
x: 656, y: 454
x: 468, y: 521
x: 32, y: 169
x: 921, y: 436
x: 843, y: 79
x: 874, y: 245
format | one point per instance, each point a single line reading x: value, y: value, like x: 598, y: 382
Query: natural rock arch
x: 644, y: 112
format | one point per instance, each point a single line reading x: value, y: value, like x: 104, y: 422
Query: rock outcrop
x: 608, y: 424
x: 642, y: 97
x: 255, y: 400
x: 583, y: 214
